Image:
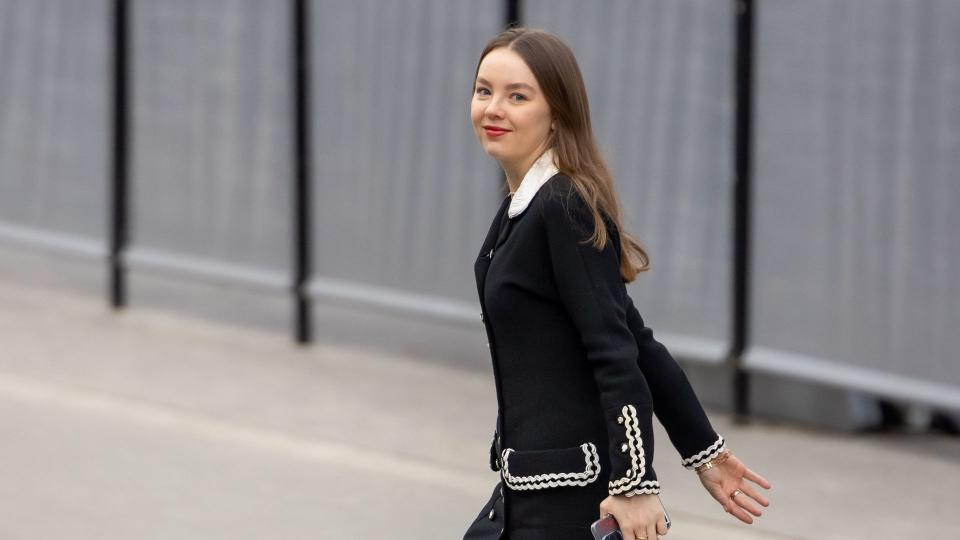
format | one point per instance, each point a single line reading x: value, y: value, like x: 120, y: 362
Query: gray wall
x: 404, y: 193
x: 54, y: 106
x: 857, y: 195
x: 212, y: 144
x: 857, y: 132
x: 659, y: 75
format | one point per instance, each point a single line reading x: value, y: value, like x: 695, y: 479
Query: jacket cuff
x: 631, y: 455
x: 705, y: 455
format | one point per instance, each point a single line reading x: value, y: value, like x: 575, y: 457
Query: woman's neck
x: 515, y: 171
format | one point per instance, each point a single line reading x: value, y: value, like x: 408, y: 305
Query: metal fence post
x: 302, y: 204
x: 118, y: 225
x: 743, y: 91
x: 514, y: 13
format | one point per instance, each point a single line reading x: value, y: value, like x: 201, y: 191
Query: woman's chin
x: 494, y: 150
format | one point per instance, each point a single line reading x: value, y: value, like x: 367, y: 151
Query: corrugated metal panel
x: 659, y: 77
x: 857, y: 195
x: 211, y: 166
x: 53, y: 122
x: 403, y: 191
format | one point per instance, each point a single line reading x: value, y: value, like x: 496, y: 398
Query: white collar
x: 542, y: 170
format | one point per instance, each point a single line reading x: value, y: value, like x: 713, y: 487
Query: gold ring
x: 735, y: 493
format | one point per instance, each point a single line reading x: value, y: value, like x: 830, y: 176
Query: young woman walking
x: 578, y: 375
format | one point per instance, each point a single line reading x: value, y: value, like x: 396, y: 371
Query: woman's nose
x: 493, y: 109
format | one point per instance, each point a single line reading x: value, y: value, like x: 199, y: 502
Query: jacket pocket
x: 541, y: 469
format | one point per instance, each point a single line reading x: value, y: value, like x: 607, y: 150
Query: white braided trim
x: 637, y: 460
x: 541, y: 481
x: 646, y: 487
x: 704, y: 456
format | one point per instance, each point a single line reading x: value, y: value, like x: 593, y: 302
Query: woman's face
x: 510, y: 114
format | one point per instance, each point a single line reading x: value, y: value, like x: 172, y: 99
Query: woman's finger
x: 652, y: 532
x: 747, y: 503
x: 750, y: 475
x: 662, y: 527
x: 746, y: 488
x: 640, y: 531
x: 733, y: 508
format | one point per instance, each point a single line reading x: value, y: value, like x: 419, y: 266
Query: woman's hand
x: 731, y: 475
x: 640, y: 516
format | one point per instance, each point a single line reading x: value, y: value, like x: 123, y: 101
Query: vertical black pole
x: 513, y: 16
x: 301, y: 211
x: 118, y: 183
x: 513, y: 13
x: 743, y: 86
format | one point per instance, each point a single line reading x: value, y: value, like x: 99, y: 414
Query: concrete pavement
x: 151, y: 424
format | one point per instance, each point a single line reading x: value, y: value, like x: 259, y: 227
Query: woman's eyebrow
x: 510, y: 86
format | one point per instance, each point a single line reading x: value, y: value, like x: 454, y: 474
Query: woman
x: 578, y: 375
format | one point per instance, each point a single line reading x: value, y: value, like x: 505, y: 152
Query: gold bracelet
x: 714, y: 462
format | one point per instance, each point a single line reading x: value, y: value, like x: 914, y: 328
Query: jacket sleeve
x: 674, y: 401
x: 590, y: 287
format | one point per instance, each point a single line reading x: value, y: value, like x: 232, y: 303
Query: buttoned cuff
x: 631, y: 453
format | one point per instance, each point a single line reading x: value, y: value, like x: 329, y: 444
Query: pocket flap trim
x: 541, y: 469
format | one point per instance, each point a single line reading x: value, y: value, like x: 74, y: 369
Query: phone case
x: 606, y: 529
x: 666, y: 516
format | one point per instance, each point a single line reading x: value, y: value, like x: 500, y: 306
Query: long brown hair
x: 556, y: 70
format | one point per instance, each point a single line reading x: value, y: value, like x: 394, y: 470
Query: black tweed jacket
x: 578, y: 374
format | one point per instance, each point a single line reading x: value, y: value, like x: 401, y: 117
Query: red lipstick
x: 493, y: 131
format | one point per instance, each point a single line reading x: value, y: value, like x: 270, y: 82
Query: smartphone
x: 666, y: 516
x: 608, y: 529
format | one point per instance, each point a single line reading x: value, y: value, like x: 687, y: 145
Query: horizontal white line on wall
x: 426, y: 305
x: 52, y: 241
x: 856, y: 377
x: 218, y: 272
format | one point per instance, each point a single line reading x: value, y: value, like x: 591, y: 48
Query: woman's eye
x: 518, y: 97
x: 482, y: 91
